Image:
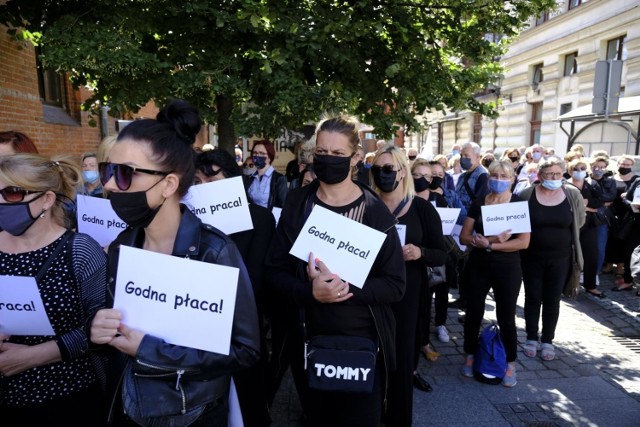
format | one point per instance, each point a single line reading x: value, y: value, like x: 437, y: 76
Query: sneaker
x: 443, y: 334
x: 509, y: 379
x: 467, y: 368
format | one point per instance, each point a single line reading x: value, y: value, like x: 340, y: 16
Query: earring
x: 43, y: 212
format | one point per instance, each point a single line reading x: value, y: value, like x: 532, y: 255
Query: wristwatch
x: 488, y: 248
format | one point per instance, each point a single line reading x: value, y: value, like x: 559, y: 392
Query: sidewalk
x: 594, y: 381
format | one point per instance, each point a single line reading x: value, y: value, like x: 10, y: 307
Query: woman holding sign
x: 494, y: 263
x: 150, y: 380
x: 423, y: 246
x: 47, y: 373
x: 329, y: 306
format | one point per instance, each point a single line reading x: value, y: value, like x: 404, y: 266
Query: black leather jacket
x: 170, y: 380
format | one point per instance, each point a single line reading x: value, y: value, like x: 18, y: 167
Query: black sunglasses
x: 15, y: 194
x: 123, y: 174
x: 383, y: 168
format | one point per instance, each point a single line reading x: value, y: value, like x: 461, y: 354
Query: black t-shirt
x: 551, y: 233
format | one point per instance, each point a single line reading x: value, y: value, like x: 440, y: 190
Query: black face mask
x: 385, y: 181
x: 624, y: 171
x: 436, y: 182
x: 421, y: 184
x: 133, y: 208
x: 412, y: 158
x: 331, y: 169
x: 15, y: 218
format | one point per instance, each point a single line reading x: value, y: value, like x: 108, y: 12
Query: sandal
x: 531, y: 348
x: 548, y: 352
x: 430, y: 352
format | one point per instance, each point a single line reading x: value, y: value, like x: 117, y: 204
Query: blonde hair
x: 35, y: 172
x: 575, y: 162
x: 505, y: 165
x: 107, y: 143
x: 453, y: 160
x: 401, y: 161
x: 342, y: 123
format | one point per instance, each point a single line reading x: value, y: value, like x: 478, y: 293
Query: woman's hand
x: 17, y: 358
x: 411, y: 252
x: 104, y: 327
x: 128, y: 340
x: 504, y: 236
x: 326, y: 286
x: 479, y: 241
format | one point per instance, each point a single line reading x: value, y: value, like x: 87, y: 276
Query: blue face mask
x: 579, y: 175
x: 260, y: 162
x: 552, y: 184
x: 598, y: 173
x: 465, y: 163
x: 455, y: 152
x: 498, y: 186
x: 90, y: 176
x: 536, y: 155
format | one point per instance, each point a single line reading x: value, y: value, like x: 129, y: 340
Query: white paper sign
x: 276, y: 214
x: 455, y: 233
x: 222, y: 204
x: 97, y: 219
x: 448, y: 216
x: 185, y: 302
x: 21, y: 309
x: 506, y: 216
x: 347, y: 247
x: 402, y: 233
x: 636, y: 197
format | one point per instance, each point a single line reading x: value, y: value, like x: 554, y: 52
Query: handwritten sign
x: 222, y: 204
x: 636, y: 197
x: 347, y: 247
x: 402, y: 233
x: 505, y: 216
x: 455, y: 233
x: 448, y: 217
x: 182, y: 301
x: 97, y: 218
x: 21, y: 309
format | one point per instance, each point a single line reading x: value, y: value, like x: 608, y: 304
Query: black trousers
x: 503, y: 274
x: 544, y: 278
x: 589, y: 245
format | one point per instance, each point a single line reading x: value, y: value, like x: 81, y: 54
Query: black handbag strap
x: 59, y: 247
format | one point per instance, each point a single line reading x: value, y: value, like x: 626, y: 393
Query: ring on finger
x: 339, y: 294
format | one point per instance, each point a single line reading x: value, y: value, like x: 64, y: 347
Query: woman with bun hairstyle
x: 49, y: 379
x: 152, y: 382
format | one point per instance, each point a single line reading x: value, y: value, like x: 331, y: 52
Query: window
x: 571, y: 64
x: 616, y: 48
x: 542, y: 18
x: 574, y: 3
x: 50, y: 85
x: 477, y: 128
x: 565, y: 108
x: 537, y: 75
x: 536, y: 123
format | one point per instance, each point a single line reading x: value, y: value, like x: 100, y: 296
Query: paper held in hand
x: 448, y: 217
x: 222, y: 204
x: 185, y: 302
x: 21, y: 309
x: 346, y: 247
x: 97, y: 218
x: 506, y: 216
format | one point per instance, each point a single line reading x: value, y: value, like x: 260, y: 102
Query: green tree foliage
x: 258, y: 66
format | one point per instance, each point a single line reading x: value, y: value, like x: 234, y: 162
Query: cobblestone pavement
x: 594, y: 380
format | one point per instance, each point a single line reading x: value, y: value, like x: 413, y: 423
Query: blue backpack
x: 490, y: 360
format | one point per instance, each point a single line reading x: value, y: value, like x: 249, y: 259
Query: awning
x: 627, y: 106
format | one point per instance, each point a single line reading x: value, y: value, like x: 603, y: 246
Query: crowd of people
x: 95, y: 369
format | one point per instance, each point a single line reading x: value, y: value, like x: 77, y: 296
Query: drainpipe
x: 104, y: 121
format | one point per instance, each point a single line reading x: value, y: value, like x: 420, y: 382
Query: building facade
x: 549, y: 72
